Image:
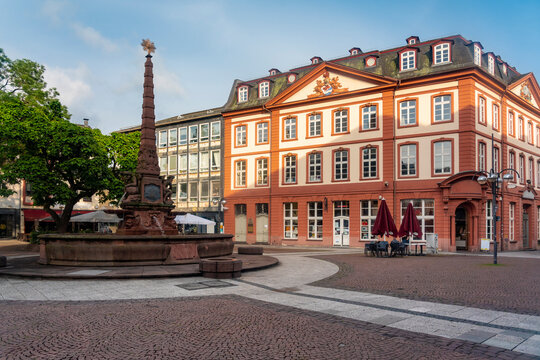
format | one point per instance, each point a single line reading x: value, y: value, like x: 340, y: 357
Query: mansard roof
x: 387, y: 65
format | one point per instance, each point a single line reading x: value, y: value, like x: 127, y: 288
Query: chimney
x: 85, y: 122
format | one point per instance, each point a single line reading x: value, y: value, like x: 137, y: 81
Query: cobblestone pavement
x: 462, y: 280
x: 225, y: 327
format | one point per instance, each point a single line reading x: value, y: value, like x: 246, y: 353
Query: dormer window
x: 491, y: 64
x: 408, y: 60
x: 505, y: 69
x: 441, y: 54
x: 413, y: 40
x: 264, y: 89
x: 477, y: 55
x: 273, y: 72
x: 371, y: 61
x: 242, y: 94
x: 355, y: 51
x: 316, y: 60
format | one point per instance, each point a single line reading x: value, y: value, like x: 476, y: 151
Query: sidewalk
x: 287, y: 284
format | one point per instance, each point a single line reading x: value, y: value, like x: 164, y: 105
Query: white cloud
x: 70, y: 83
x: 92, y: 37
x: 53, y: 9
x: 167, y: 82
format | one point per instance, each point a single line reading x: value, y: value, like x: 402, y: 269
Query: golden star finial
x: 148, y: 46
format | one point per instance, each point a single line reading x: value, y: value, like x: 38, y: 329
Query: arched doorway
x: 462, y: 230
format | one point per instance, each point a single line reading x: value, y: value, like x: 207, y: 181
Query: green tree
x: 63, y: 162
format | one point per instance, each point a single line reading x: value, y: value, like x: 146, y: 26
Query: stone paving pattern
x: 453, y: 279
x: 225, y: 327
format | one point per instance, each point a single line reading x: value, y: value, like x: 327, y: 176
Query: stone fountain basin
x: 130, y: 250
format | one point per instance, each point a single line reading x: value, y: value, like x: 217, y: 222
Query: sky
x: 92, y: 52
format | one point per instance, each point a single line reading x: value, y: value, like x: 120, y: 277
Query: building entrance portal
x: 462, y: 228
x: 341, y: 223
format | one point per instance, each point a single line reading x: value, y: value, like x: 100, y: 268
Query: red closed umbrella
x: 384, y: 224
x: 410, y: 225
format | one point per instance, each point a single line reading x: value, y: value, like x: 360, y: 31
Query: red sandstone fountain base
x: 125, y: 250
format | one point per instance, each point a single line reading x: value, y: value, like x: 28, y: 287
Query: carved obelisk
x: 147, y: 204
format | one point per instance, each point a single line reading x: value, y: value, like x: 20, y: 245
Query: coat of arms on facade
x: 525, y: 93
x: 327, y: 86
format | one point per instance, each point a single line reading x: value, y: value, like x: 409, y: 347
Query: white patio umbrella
x: 193, y: 220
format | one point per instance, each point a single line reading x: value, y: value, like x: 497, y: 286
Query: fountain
x: 148, y: 234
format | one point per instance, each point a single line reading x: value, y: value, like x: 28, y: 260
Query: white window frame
x: 204, y: 195
x: 407, y: 109
x: 290, y: 220
x: 264, y: 89
x: 315, y: 167
x: 529, y: 132
x: 204, y: 128
x: 182, y: 163
x: 173, y: 139
x: 341, y: 165
x: 215, y: 185
x: 408, y: 60
x: 442, y: 157
x: 315, y: 220
x: 204, y: 161
x: 193, y: 136
x: 289, y: 128
x: 496, y: 158
x: 193, y: 191
x: 477, y: 55
x: 341, y: 121
x: 262, y: 132
x: 538, y: 177
x: 241, y: 135
x: 215, y: 161
x: 442, y: 108
x: 495, y: 120
x: 163, y: 138
x: 240, y: 171
x: 482, y: 110
x: 441, y: 54
x: 510, y: 123
x: 511, y: 220
x: 491, y: 64
x: 173, y: 163
x: 163, y: 163
x: 424, y: 213
x: 369, y: 163
x: 215, y: 131
x: 369, y: 117
x: 522, y: 169
x: 368, y: 214
x: 489, y: 219
x: 242, y: 94
x: 406, y: 157
x: 520, y: 134
x: 289, y: 167
x: 481, y: 156
x: 262, y: 171
x: 183, y: 136
x: 193, y: 162
x: 314, y: 124
x: 530, y: 170
x: 183, y: 195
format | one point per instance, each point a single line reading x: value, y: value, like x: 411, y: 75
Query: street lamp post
x: 221, y: 203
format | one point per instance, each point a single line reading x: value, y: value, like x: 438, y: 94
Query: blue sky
x: 92, y: 54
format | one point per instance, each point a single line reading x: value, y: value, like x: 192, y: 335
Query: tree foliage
x: 63, y: 162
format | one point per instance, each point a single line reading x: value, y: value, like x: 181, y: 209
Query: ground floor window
x: 489, y: 220
x: 261, y: 209
x: 511, y: 221
x: 368, y: 213
x: 341, y: 208
x: 425, y: 213
x: 291, y: 220
x: 315, y: 220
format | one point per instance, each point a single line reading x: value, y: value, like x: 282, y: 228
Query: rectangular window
x: 368, y: 214
x: 262, y: 172
x: 243, y: 94
x: 341, y: 121
x: 215, y: 130
x: 369, y: 163
x: 341, y: 165
x: 216, y: 160
x: 520, y: 128
x: 441, y: 108
x: 482, y: 110
x: 215, y: 189
x: 408, y: 160
x: 183, y: 136
x: 315, y: 220
x: 204, y: 132
x: 512, y: 160
x: 182, y: 195
x: 172, y: 137
x: 407, y: 110
x: 442, y: 54
x: 408, y: 60
x: 289, y: 129
x: 173, y: 192
x: 529, y: 133
x: 290, y: 218
x: 241, y: 173
x: 182, y: 160
x: 496, y: 116
x: 511, y: 221
x: 203, y: 161
x: 491, y: 65
x: 172, y: 162
x: 369, y: 117
x: 193, y: 191
x: 290, y: 169
x: 496, y: 159
x: 314, y: 167
x: 538, y: 176
x: 163, y: 139
x: 193, y: 134
x: 522, y: 169
x: 341, y: 208
x: 442, y: 157
x: 481, y: 156
x: 262, y: 133
x: 425, y: 213
x: 489, y: 220
x: 511, y: 123
x: 241, y: 139
x: 314, y: 121
x: 163, y: 164
x: 531, y: 170
x: 204, y: 190
x: 537, y: 129
x: 193, y: 162
x: 264, y: 89
x: 477, y: 55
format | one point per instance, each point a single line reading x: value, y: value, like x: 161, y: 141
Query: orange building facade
x: 310, y: 152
